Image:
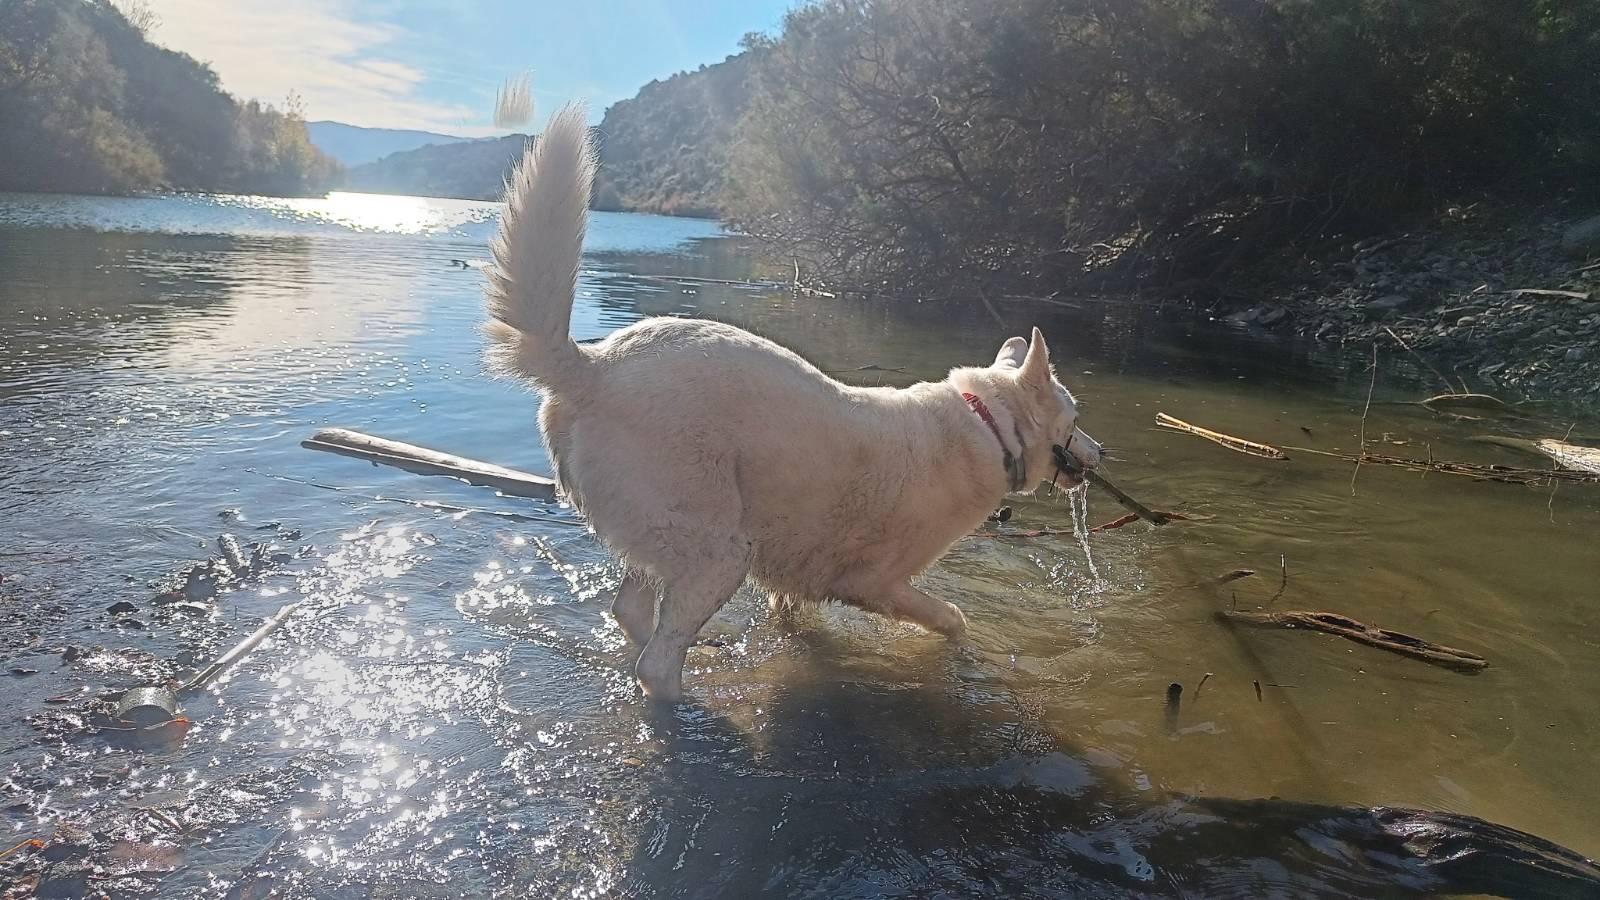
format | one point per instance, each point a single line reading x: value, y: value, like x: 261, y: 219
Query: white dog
x: 703, y: 454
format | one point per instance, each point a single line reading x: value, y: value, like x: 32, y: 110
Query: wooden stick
x: 1237, y: 444
x: 1350, y: 629
x: 1543, y: 292
x: 1068, y: 463
x: 423, y: 461
x: 1132, y: 505
x: 204, y: 676
x: 1468, y: 401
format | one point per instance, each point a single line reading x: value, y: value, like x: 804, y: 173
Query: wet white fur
x: 703, y: 454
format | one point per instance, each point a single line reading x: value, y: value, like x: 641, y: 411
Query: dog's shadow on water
x: 844, y: 780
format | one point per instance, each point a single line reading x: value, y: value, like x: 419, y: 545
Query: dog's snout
x: 1086, y: 450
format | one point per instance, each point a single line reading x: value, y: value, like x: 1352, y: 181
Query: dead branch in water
x: 1364, y: 411
x: 1283, y: 581
x: 423, y: 461
x: 1420, y: 358
x: 1234, y: 575
x: 1130, y: 518
x: 1467, y: 401
x: 1506, y: 474
x: 1237, y: 444
x: 1571, y: 456
x: 1372, y: 636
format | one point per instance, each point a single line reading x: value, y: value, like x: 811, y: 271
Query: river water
x: 449, y: 712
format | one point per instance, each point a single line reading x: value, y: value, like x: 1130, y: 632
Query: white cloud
x: 321, y: 49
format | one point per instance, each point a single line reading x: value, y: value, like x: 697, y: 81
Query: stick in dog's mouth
x: 1067, y: 464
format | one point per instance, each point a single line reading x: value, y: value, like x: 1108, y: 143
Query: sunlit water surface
x: 450, y: 712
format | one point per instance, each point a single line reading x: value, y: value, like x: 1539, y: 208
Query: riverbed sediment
x: 1502, y: 300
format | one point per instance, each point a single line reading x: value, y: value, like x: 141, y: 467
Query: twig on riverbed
x: 1429, y: 366
x: 1370, y: 386
x: 1283, y: 582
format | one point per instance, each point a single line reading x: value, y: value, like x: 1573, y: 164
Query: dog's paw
x: 954, y: 624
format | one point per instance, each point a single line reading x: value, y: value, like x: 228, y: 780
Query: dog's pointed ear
x: 1011, y: 354
x: 1036, y: 365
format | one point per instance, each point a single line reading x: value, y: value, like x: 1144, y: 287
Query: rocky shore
x: 1506, y: 300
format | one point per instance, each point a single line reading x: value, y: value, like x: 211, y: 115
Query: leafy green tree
x: 89, y: 105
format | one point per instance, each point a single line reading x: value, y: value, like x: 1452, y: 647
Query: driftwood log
x: 1372, y: 636
x: 1571, y: 456
x: 423, y: 461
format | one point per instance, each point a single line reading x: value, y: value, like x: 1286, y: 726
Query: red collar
x: 1015, y: 474
x: 983, y: 413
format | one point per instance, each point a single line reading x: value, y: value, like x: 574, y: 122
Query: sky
x: 434, y: 65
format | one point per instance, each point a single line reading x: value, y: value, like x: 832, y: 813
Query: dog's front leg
x: 635, y: 608
x: 908, y: 604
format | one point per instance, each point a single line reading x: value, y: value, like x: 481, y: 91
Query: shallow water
x: 449, y: 714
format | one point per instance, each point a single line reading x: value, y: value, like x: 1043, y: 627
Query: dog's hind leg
x: 906, y: 603
x: 688, y: 600
x: 635, y: 608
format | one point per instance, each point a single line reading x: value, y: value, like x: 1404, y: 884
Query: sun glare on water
x: 376, y: 213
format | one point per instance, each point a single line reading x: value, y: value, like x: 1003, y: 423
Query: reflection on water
x: 449, y: 712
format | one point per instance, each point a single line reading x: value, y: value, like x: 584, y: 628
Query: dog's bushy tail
x: 536, y: 256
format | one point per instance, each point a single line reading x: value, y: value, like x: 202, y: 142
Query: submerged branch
x: 1350, y: 629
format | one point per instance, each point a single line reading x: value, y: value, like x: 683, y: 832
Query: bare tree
x: 139, y: 15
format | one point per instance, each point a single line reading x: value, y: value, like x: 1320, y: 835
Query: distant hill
x: 663, y: 151
x: 471, y: 170
x: 354, y: 145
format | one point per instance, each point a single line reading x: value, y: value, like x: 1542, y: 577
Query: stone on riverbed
x: 1583, y: 239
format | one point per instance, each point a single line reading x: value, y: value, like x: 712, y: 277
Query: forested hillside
x: 1034, y: 142
x: 663, y: 151
x: 667, y: 149
x: 89, y: 105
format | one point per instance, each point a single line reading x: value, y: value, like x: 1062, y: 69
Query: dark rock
x: 1271, y: 316
x: 1389, y: 304
x: 1577, y: 354
x: 121, y: 606
x: 69, y: 878
x: 68, y: 842
x: 1583, y: 239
